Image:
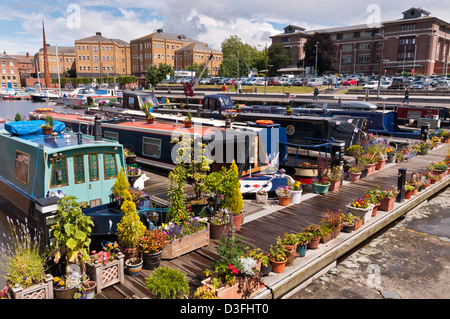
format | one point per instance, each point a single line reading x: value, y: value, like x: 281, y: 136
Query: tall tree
x: 326, y: 53
x: 156, y: 74
x: 278, y: 57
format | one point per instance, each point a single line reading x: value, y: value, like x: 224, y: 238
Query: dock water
x: 263, y: 224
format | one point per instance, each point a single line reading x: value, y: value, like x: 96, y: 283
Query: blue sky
x: 210, y: 21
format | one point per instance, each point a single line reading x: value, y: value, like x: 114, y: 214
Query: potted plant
x: 232, y: 199
x: 313, y: 232
x: 321, y: 184
x: 151, y: 244
x: 220, y: 223
x: 354, y: 173
x: 238, y: 108
x: 130, y: 157
x: 439, y: 169
x: 261, y: 196
x: 388, y: 198
x: 167, y: 283
x: 288, y: 110
x: 188, y: 120
x: 372, y: 196
x: 23, y: 259
x: 335, y: 178
x: 303, y: 239
x: 147, y: 108
x: 333, y: 220
x: 205, y: 292
x: 296, y: 192
x: 120, y: 186
x: 71, y: 237
x: 390, y: 152
x: 130, y: 228
x: 348, y: 222
x: 409, y: 188
x: 181, y: 106
x: 355, y: 151
x: 325, y: 233
x: 284, y: 195
x: 446, y: 137
x: 277, y: 257
x: 133, y: 173
x: 361, y: 207
x: 47, y: 127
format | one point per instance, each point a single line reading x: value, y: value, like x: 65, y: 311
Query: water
x: 8, y: 110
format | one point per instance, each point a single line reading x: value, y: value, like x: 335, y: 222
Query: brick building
x: 10, y: 71
x: 98, y: 56
x: 169, y: 48
x: 417, y: 41
x: 64, y: 59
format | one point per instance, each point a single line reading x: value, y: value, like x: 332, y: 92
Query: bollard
x: 401, y: 185
x: 338, y: 149
x: 424, y: 130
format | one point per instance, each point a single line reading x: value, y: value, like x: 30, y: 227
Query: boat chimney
x: 79, y: 138
x: 98, y: 128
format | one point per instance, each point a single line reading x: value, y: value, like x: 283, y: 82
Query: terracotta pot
x: 370, y: 168
x: 284, y: 201
x: 325, y: 239
x: 335, y: 232
x: 134, y: 265
x: 47, y: 130
x: 188, y: 124
x: 354, y: 177
x: 237, y: 221
x: 375, y: 210
x: 387, y: 204
x: 358, y: 224
x: 278, y: 266
x: 150, y: 121
x: 314, y: 243
x: 334, y: 185
x: 440, y: 173
x: 379, y: 165
x: 408, y: 194
x: 216, y: 231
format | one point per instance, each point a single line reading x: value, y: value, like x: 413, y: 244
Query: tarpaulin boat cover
x: 31, y: 127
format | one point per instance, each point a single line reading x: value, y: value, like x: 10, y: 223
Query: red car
x: 350, y: 81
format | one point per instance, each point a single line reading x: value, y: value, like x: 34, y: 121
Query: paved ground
x: 410, y: 260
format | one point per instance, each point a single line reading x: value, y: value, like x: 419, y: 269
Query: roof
x: 168, y: 36
x: 99, y: 38
x: 196, y: 46
x: 23, y: 59
x: 6, y: 56
x: 61, y: 50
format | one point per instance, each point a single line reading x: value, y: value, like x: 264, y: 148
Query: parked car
x: 397, y: 83
x: 271, y: 81
x: 350, y: 81
x: 422, y: 85
x: 385, y: 84
x: 442, y: 84
x: 315, y: 82
x: 371, y: 85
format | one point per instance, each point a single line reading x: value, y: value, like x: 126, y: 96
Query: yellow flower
x: 61, y: 282
x: 56, y: 279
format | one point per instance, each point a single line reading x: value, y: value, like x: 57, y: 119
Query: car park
x: 315, y: 82
x: 371, y: 85
x: 421, y: 85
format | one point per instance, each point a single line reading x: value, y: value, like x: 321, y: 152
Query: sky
x: 209, y: 21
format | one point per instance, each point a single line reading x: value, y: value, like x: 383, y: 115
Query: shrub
x: 167, y: 283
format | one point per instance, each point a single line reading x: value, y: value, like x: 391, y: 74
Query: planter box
x: 186, y: 244
x: 363, y: 213
x: 230, y: 292
x: 387, y: 204
x: 106, y: 275
x: 42, y: 290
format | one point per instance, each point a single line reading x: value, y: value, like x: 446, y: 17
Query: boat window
x: 93, y: 166
x: 22, y: 164
x: 110, y: 165
x: 59, y: 172
x: 151, y: 147
x: 78, y: 165
x: 111, y: 135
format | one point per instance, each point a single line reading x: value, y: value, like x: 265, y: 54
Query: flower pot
x: 379, y: 165
x: 325, y: 239
x: 130, y: 159
x: 278, y: 266
x: 408, y: 194
x: 335, y: 232
x: 186, y: 244
x: 187, y: 124
x: 440, y: 173
x: 334, y: 186
x: 90, y: 289
x: 133, y: 178
x: 314, y: 243
x: 320, y: 188
x: 284, y: 201
x: 131, y: 252
x: 47, y: 130
x: 265, y: 270
x: 106, y: 275
x: 348, y: 228
x: 370, y: 168
x: 43, y: 290
x: 423, y: 151
x: 150, y: 121
x: 391, y: 158
x: 151, y: 261
x: 354, y: 177
x: 216, y: 231
x: 296, y: 197
x: 363, y: 213
x: 375, y: 209
x: 134, y: 265
x: 387, y: 204
x: 301, y: 249
x: 64, y: 293
x: 237, y: 221
x: 261, y: 199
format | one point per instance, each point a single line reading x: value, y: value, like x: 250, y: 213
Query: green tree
x: 156, y: 74
x: 239, y: 58
x: 327, y: 60
x: 278, y: 57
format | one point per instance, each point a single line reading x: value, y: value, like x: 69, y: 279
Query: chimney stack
x: 98, y: 33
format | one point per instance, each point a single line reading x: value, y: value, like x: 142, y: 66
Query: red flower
x: 235, y: 271
x: 231, y: 266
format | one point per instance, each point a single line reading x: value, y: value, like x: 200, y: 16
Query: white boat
x: 45, y: 95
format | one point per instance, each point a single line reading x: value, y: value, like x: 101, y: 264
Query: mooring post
x: 424, y: 131
x: 401, y: 185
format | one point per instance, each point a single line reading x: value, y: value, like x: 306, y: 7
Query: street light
x: 315, y: 69
x: 265, y: 68
x: 340, y: 60
x: 354, y: 63
x: 381, y: 62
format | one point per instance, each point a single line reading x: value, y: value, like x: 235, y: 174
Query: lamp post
x: 354, y: 62
x: 340, y: 60
x: 265, y: 67
x: 315, y: 69
x: 381, y: 62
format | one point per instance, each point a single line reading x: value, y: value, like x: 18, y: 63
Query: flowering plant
x: 261, y: 191
x: 188, y: 227
x: 359, y: 202
x: 127, y: 152
x: 390, y: 150
x: 389, y: 193
x: 4, y: 293
x: 297, y: 186
x: 355, y: 169
x: 335, y: 174
x: 283, y: 191
x: 222, y: 217
x: 440, y: 166
x: 136, y: 195
x: 134, y: 171
x: 349, y: 219
x: 373, y: 195
x: 152, y: 241
x: 109, y: 253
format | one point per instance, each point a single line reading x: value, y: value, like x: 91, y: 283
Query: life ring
x: 264, y: 122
